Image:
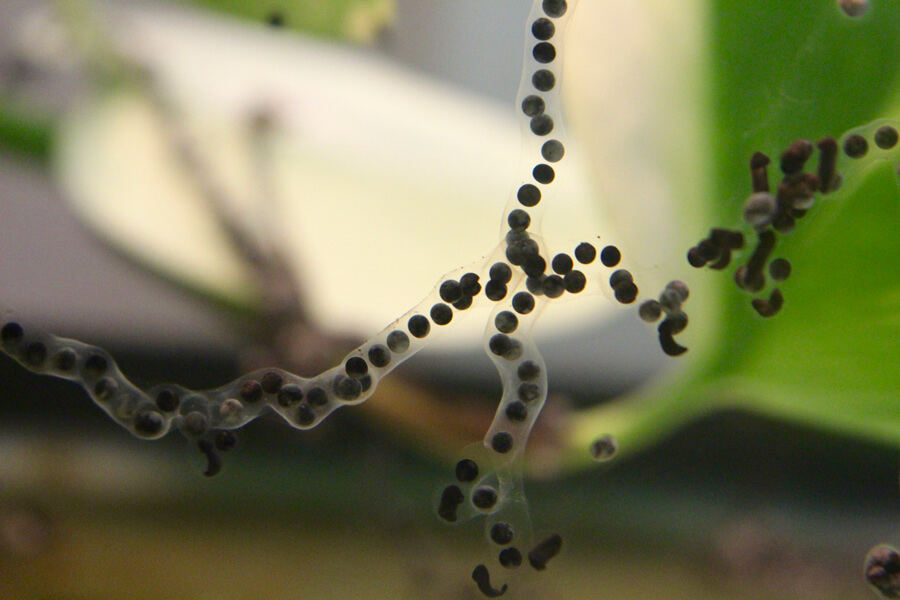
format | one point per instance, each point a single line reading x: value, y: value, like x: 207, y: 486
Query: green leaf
x: 782, y: 71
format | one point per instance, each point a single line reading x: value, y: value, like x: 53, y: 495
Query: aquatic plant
x: 755, y: 255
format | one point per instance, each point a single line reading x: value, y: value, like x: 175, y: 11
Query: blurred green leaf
x: 24, y: 135
x: 782, y: 71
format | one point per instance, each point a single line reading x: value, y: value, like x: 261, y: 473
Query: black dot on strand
x: 534, y: 265
x: 356, y: 366
x: 271, y: 382
x: 650, y: 311
x: 398, y: 342
x: 541, y: 125
x: 553, y: 286
x: 95, y: 365
x: 450, y: 290
x: 418, y: 326
x: 543, y: 80
x: 469, y: 284
x: 523, y: 303
x: 610, y: 256
x: 518, y: 220
x: 502, y: 533
x: 379, y: 356
x: 562, y: 264
x: 500, y: 272
x: 543, y: 29
x: 585, y: 253
x: 529, y: 392
x: 502, y: 442
x: 305, y: 415
x: 516, y: 411
x: 11, y: 334
x: 495, y: 291
x: 544, y: 52
x: 856, y: 146
x: 466, y: 470
x: 506, y: 322
x: 148, y: 423
x: 575, y: 281
x: 65, y: 360
x: 554, y: 8
x: 529, y: 195
x: 250, y: 391
x: 543, y: 173
x: 289, y: 395
x: 886, y: 137
x: 780, y: 269
x: 510, y: 558
x: 441, y: 314
x: 35, y: 354
x: 528, y: 371
x: 533, y: 106
x: 553, y: 151
x: 347, y: 388
x: 484, y: 497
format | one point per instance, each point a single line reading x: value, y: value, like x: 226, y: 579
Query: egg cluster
x: 771, y: 214
x: 514, y: 282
